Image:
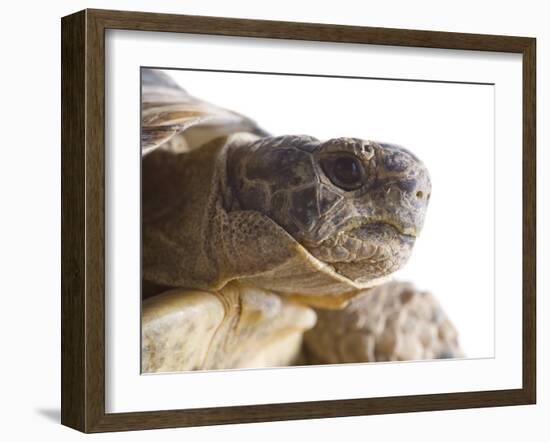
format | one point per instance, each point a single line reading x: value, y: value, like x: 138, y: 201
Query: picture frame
x: 83, y: 179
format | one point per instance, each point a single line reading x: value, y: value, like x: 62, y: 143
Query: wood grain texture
x: 529, y: 221
x: 83, y: 219
x: 144, y: 21
x: 95, y: 222
x: 73, y: 128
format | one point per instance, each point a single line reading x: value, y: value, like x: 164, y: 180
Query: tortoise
x: 261, y: 250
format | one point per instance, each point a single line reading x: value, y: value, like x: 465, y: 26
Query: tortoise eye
x: 344, y: 171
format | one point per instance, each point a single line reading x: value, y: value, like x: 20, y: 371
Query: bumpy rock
x: 392, y: 322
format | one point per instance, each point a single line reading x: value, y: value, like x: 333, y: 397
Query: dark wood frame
x: 83, y: 215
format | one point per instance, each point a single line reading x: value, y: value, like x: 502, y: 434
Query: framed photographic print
x: 271, y: 220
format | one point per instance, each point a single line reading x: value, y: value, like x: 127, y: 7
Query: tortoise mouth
x: 367, y: 230
x: 384, y: 250
x: 362, y: 228
x: 366, y: 245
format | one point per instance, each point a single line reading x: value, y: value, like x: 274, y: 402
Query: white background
x: 29, y: 179
x: 449, y: 126
x: 460, y: 144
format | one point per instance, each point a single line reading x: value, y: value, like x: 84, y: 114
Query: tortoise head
x: 356, y: 205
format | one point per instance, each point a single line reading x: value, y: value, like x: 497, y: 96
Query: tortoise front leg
x: 235, y: 327
x: 392, y: 322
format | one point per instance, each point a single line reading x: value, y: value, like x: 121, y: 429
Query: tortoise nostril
x: 419, y: 194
